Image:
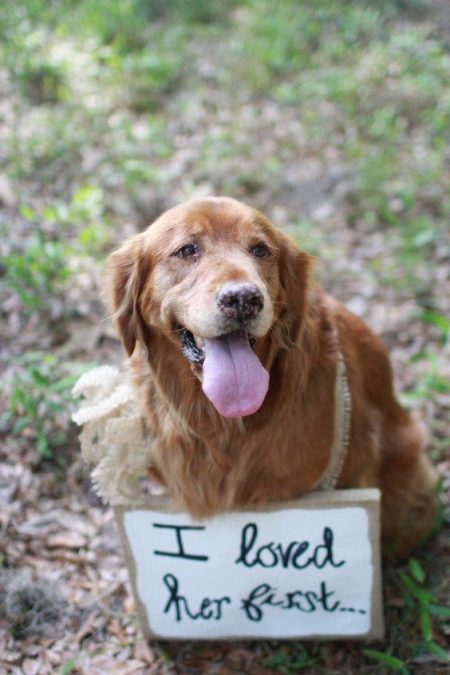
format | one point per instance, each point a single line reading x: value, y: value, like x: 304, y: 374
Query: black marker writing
x: 303, y: 601
x: 210, y: 608
x: 180, y: 553
x: 291, y: 555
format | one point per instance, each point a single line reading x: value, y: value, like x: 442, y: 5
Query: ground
x: 332, y: 118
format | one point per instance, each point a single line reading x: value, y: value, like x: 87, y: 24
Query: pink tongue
x: 233, y: 378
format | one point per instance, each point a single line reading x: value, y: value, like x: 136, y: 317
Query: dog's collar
x: 342, y: 416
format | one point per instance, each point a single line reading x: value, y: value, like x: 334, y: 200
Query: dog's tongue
x: 233, y: 378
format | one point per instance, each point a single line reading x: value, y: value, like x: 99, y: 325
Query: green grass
x: 38, y: 266
x: 292, y: 661
x: 39, y: 404
x: 35, y: 271
x: 383, y: 87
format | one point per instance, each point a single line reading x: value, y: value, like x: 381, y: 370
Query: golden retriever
x: 233, y: 350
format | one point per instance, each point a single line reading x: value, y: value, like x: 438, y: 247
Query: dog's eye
x: 187, y: 251
x: 260, y: 251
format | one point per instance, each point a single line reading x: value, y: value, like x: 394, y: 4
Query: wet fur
x: 210, y: 463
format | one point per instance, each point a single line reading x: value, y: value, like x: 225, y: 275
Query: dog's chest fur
x: 210, y: 464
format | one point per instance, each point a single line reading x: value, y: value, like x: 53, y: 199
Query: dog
x: 245, y: 368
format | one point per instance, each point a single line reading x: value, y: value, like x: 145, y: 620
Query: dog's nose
x: 240, y: 301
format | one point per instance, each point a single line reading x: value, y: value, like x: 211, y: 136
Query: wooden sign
x: 308, y: 568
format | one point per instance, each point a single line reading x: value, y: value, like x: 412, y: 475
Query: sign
x: 308, y: 568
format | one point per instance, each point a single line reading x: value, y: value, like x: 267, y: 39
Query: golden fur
x: 210, y: 463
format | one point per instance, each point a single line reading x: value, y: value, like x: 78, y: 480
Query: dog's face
x: 214, y: 276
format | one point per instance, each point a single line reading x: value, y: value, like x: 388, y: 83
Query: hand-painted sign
x: 305, y: 568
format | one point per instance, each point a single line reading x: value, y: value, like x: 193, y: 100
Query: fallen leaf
x: 11, y: 657
x: 31, y: 666
x: 67, y: 540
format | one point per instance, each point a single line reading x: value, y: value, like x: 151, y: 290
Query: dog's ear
x: 127, y: 270
x: 295, y: 267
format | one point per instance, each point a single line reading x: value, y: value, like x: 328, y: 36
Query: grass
x: 119, y: 109
x: 38, y: 267
x: 292, y: 661
x: 418, y: 596
x: 39, y: 404
x: 35, y: 271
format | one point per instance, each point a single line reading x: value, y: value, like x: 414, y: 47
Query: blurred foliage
x: 35, y: 270
x: 39, y: 397
x: 350, y: 69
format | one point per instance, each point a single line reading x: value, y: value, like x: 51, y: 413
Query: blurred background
x: 333, y: 118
